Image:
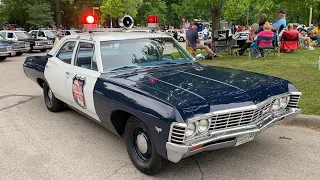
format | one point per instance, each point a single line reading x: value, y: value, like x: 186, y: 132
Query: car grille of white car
x: 43, y: 42
x: 3, y: 49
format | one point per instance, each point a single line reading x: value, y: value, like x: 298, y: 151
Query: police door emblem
x: 78, y: 84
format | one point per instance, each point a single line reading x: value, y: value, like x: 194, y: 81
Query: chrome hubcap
x: 142, y: 143
x: 50, y: 95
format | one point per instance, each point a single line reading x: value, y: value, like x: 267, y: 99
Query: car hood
x: 201, y: 89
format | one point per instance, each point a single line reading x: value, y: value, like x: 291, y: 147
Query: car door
x: 57, y: 70
x: 83, y: 77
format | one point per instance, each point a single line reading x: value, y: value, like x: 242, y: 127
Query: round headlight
x: 276, y: 105
x: 284, y: 102
x: 203, y: 126
x: 191, y: 129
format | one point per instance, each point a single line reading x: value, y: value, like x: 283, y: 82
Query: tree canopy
x: 41, y: 13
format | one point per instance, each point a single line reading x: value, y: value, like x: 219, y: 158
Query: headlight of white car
x: 284, y: 102
x: 50, y: 42
x: 203, y: 126
x: 9, y: 48
x: 276, y: 105
x: 27, y: 44
x: 190, y: 130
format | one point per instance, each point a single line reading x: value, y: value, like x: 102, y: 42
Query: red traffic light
x: 90, y: 19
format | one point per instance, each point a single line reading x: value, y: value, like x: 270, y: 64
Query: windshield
x: 141, y: 52
x: 50, y: 34
x: 22, y: 35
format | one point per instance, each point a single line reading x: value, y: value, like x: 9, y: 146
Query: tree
x: 39, y: 15
x: 113, y: 8
x: 148, y: 8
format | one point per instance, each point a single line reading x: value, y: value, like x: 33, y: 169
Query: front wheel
x: 19, y: 53
x: 53, y: 104
x: 3, y: 58
x: 141, y: 148
x: 181, y: 39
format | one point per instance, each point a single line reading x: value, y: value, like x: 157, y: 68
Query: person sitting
x: 315, y: 34
x: 290, y: 38
x: 281, y: 23
x: 193, y: 39
x: 303, y: 38
x: 251, y: 36
x: 265, y: 38
x: 263, y: 19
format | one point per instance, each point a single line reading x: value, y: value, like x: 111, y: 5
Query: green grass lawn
x: 301, y: 68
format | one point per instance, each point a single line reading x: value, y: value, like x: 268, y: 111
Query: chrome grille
x: 294, y: 100
x: 3, y: 49
x: 177, y: 134
x: 240, y: 118
x: 43, y: 42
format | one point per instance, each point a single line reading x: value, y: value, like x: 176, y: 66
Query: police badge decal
x: 78, y: 84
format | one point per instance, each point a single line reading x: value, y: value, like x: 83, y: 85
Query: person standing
x: 194, y: 41
x: 175, y: 34
x: 205, y: 33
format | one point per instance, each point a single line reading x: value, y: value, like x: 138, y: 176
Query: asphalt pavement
x: 38, y: 144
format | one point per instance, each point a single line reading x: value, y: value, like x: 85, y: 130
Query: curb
x: 306, y: 120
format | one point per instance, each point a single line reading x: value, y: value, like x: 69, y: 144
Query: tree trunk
x: 215, y: 15
x: 58, y: 13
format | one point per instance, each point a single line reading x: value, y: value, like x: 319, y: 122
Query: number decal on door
x: 77, y: 88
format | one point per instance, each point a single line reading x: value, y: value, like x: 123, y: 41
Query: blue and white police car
x: 147, y: 88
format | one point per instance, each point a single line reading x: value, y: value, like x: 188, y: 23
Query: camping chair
x: 222, y: 41
x: 289, y: 41
x: 269, y: 40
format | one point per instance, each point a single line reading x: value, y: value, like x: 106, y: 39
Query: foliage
x: 148, y: 8
x: 40, y: 15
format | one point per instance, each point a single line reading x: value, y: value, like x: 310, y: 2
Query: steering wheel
x: 168, y: 55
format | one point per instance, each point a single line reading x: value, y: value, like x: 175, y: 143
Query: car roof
x: 11, y: 31
x: 109, y: 36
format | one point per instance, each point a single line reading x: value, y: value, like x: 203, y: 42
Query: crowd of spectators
x: 265, y: 34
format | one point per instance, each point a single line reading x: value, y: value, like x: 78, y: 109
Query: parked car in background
x: 70, y: 32
x: 43, y: 34
x: 19, y: 47
x: 5, y: 50
x: 35, y: 44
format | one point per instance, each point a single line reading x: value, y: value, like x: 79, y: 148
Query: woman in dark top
x: 263, y: 19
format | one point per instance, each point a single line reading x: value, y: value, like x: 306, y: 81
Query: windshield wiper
x: 124, y: 67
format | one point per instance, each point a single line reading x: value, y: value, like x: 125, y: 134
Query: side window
x: 66, y: 51
x: 10, y: 35
x: 85, y: 56
x: 41, y: 34
x: 3, y: 34
x: 34, y: 33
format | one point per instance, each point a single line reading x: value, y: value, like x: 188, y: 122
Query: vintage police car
x: 35, y: 44
x: 146, y: 87
x: 5, y: 50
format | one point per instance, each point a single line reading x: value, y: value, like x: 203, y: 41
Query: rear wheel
x: 141, y: 148
x: 181, y: 39
x: 19, y: 53
x: 43, y: 50
x: 53, y: 104
x: 3, y: 58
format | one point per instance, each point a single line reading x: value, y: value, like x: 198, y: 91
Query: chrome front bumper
x: 226, y: 138
x: 22, y: 49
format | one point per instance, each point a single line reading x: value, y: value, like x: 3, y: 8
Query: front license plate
x: 245, y: 138
x: 13, y: 53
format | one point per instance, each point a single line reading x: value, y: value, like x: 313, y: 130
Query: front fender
x: 157, y: 115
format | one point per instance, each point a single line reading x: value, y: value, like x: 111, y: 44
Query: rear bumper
x: 226, y: 138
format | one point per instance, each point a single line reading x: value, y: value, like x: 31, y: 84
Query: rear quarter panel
x: 34, y: 67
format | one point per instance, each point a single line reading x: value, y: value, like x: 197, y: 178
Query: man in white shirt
x: 205, y: 34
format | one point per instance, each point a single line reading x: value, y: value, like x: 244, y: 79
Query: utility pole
x: 110, y: 15
x: 248, y: 15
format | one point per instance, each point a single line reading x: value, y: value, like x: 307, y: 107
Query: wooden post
x: 310, y: 16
